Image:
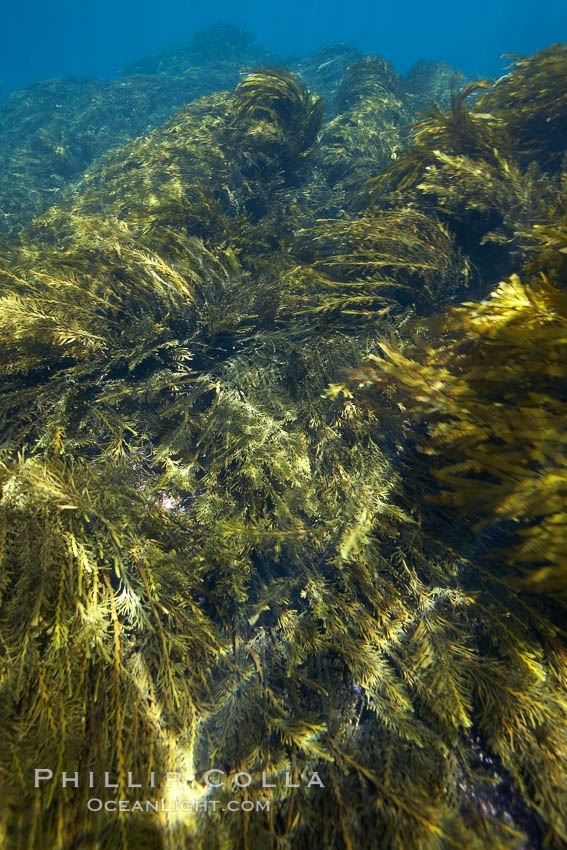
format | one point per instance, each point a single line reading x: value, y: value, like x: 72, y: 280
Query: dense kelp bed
x: 283, y: 404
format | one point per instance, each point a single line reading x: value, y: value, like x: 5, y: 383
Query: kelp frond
x: 530, y: 100
x: 377, y: 264
x: 277, y: 116
x: 490, y: 383
x: 459, y: 131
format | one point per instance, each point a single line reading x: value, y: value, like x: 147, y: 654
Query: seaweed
x: 221, y: 48
x: 470, y: 166
x: 431, y: 82
x: 369, y: 267
x: 272, y: 502
x: 459, y: 131
x: 489, y: 379
x: 54, y: 130
x: 276, y: 118
x: 530, y: 100
x: 371, y: 109
x: 324, y: 70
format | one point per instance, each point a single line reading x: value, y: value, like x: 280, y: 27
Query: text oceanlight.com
x: 97, y: 805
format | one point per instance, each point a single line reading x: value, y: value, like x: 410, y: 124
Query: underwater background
x: 60, y: 37
x: 283, y: 427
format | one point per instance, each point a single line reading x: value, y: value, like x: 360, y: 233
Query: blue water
x: 47, y: 38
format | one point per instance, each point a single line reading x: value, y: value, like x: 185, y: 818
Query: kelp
x: 498, y: 201
x: 52, y: 131
x: 219, y: 46
x: 276, y: 118
x: 479, y: 392
x: 459, y: 131
x: 432, y: 82
x: 371, y: 110
x: 324, y: 70
x: 549, y: 244
x: 530, y: 100
x: 168, y: 162
x: 519, y: 116
x: 489, y: 378
x: 98, y: 377
x: 230, y: 156
x: 218, y: 550
x: 376, y: 264
x: 471, y: 167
